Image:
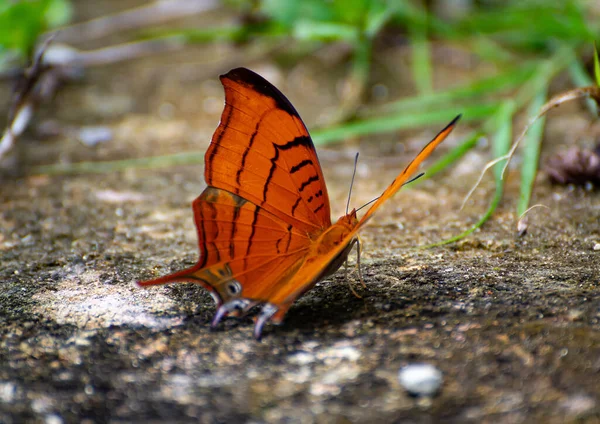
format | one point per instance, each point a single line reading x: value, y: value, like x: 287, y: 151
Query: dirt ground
x: 512, y: 322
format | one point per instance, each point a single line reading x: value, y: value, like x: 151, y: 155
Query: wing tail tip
x: 176, y: 277
x: 453, y: 122
x: 157, y: 281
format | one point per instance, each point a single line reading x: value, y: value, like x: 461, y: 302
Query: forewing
x: 262, y: 152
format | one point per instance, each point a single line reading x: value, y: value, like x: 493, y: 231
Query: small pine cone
x: 575, y: 166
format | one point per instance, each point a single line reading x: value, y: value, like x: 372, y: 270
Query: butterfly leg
x: 267, y: 311
x: 234, y: 306
x: 360, y: 277
x: 353, y: 291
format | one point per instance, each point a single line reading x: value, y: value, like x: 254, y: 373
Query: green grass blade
x: 401, y: 121
x: 491, y: 209
x: 407, y: 13
x: 490, y: 51
x: 579, y: 75
x: 500, y: 147
x: 545, y: 71
x: 504, y: 81
x: 421, y: 59
x: 596, y: 66
x: 376, y: 20
x: 531, y: 153
x: 580, y: 78
x: 325, y: 31
x: 453, y: 155
x: 502, y: 138
x: 199, y: 36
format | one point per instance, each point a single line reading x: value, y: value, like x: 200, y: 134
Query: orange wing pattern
x: 264, y: 230
x: 244, y: 249
x: 262, y: 152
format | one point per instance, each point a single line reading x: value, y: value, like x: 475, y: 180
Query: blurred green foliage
x: 521, y: 24
x: 326, y: 20
x: 21, y: 23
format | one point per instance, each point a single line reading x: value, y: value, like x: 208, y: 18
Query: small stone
x: 575, y: 314
x: 42, y: 404
x: 302, y: 358
x: 8, y: 392
x: 420, y: 379
x: 579, y: 405
x: 596, y: 247
x: 91, y: 136
x: 53, y: 419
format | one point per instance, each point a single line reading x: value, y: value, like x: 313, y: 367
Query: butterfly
x: 263, y: 222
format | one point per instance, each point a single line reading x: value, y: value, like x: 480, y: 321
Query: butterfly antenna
x: 413, y: 179
x: 351, y: 183
x: 368, y: 203
x: 377, y: 198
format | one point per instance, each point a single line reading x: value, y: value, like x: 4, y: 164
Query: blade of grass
x: 325, y: 31
x: 357, y: 81
x: 540, y: 82
x: 596, y: 66
x: 504, y: 81
x: 377, y: 18
x: 580, y: 78
x: 197, y: 36
x: 545, y: 71
x: 531, y: 152
x: 531, y: 25
x: 500, y: 145
x: 490, y: 51
x: 421, y: 59
x: 399, y: 122
x: 453, y: 155
x: 408, y: 13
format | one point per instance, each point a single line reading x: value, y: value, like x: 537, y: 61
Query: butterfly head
x: 349, y: 221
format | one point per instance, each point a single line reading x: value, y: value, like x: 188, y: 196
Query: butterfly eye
x: 234, y: 288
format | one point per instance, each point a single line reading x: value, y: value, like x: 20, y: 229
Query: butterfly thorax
x: 330, y: 239
x: 335, y: 234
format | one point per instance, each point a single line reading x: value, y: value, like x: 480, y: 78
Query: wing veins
x: 254, y: 173
x: 249, y: 225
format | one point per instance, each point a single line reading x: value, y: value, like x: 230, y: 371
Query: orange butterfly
x: 264, y: 225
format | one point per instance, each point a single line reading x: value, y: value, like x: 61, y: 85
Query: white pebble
x: 8, y: 392
x: 596, y: 246
x: 53, y: 419
x: 91, y: 136
x: 420, y: 379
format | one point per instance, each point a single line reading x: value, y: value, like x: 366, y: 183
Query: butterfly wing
x: 244, y: 249
x: 262, y: 152
x: 314, y: 265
